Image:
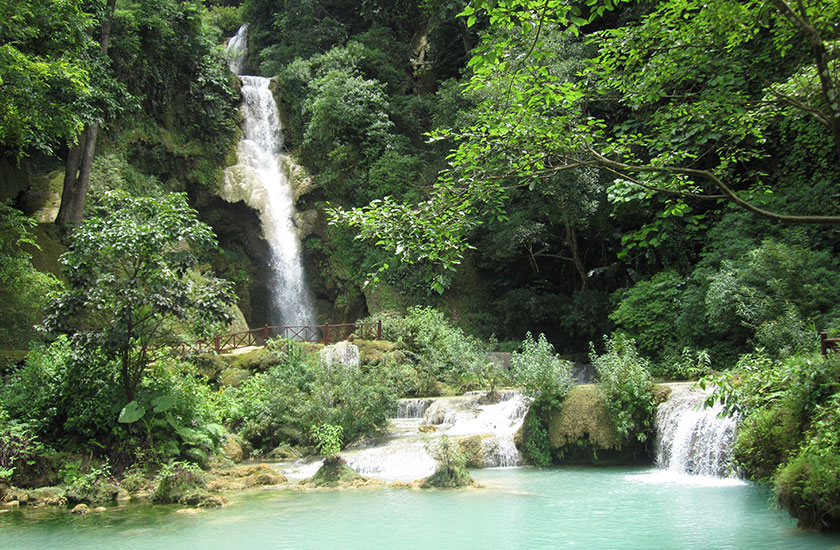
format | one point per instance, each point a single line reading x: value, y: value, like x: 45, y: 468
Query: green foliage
x: 72, y: 398
x: 772, y: 292
x: 45, y: 72
x: 328, y: 440
x: 540, y: 372
x: 451, y: 470
x: 19, y: 446
x: 282, y: 404
x: 648, y: 312
x: 440, y: 351
x: 625, y: 388
x: 537, y: 445
x: 23, y: 289
x: 128, y: 275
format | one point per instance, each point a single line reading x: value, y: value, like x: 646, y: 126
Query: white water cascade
x: 691, y: 439
x: 402, y: 453
x: 261, y: 178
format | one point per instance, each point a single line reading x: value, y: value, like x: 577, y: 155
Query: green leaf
x: 131, y: 413
x: 163, y: 403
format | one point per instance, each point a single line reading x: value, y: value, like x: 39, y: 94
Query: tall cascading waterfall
x: 692, y: 439
x: 261, y: 179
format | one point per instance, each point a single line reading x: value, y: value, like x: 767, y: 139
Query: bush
x: 648, y: 312
x: 440, y: 351
x: 451, y: 471
x: 540, y: 372
x: 625, y: 388
x: 282, y: 404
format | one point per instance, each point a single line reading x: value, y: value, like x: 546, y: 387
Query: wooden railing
x: 827, y: 343
x: 324, y: 334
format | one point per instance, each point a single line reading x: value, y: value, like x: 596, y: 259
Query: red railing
x: 325, y: 334
x: 827, y: 343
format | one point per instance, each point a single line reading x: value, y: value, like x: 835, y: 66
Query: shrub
x: 648, y: 312
x: 439, y: 350
x: 625, y: 388
x: 451, y: 470
x: 540, y: 372
x: 282, y: 404
x: 328, y: 439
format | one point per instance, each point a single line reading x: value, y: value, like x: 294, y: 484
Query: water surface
x: 589, y: 508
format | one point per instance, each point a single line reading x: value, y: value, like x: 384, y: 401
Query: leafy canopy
x: 131, y: 273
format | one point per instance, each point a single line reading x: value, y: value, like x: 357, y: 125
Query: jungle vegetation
x: 652, y: 184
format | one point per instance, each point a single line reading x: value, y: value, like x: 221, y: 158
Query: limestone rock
x: 342, y: 353
x: 81, y: 509
x: 12, y: 504
x: 427, y: 428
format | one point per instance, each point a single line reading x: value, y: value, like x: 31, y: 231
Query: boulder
x: 81, y: 509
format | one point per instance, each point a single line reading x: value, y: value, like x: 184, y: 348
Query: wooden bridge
x: 324, y: 334
x: 827, y: 343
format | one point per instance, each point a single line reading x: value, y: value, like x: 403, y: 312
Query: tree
x: 43, y: 74
x: 676, y: 103
x: 80, y: 156
x: 132, y: 273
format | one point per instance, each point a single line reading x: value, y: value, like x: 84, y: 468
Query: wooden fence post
x: 327, y: 335
x: 266, y: 334
x: 379, y: 329
x: 217, y: 341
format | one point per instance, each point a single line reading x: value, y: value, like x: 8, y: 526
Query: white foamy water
x: 261, y: 179
x: 692, y: 439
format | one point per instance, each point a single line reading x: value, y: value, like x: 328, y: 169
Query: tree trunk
x: 77, y: 179
x: 80, y: 157
x: 571, y: 241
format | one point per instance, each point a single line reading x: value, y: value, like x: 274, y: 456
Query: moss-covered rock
x: 580, y: 432
x: 185, y: 484
x: 448, y: 478
x: 48, y: 496
x: 243, y: 477
x: 93, y: 494
x: 337, y: 473
x: 233, y: 377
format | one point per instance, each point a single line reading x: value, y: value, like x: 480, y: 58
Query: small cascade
x: 260, y: 178
x: 692, y: 439
x: 402, y: 454
x: 413, y: 408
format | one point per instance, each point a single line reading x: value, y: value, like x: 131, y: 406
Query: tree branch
x: 709, y: 176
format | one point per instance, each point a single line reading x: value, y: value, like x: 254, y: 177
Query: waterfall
x: 261, y: 179
x: 236, y: 50
x: 486, y: 428
x: 692, y: 439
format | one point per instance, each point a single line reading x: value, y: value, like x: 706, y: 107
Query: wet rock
x: 189, y: 511
x: 427, y: 428
x: 99, y: 509
x: 12, y: 504
x: 341, y: 353
x: 81, y: 509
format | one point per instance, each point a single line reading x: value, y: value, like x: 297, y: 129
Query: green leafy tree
x: 43, y: 72
x: 131, y: 274
x: 675, y: 103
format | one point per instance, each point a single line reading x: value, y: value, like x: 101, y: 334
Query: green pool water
x: 586, y: 508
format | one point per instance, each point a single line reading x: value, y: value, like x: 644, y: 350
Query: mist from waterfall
x: 261, y: 179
